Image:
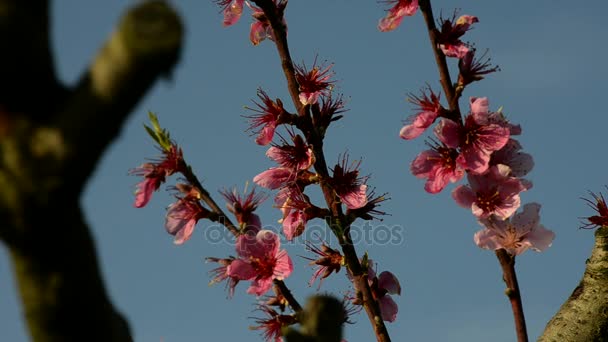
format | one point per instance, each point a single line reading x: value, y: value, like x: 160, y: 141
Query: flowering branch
x: 280, y: 38
x: 337, y: 222
x: 493, y: 194
x: 183, y: 215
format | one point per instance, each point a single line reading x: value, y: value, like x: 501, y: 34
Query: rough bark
x: 584, y: 316
x: 51, y: 139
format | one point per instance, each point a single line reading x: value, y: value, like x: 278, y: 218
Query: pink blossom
x: 429, y: 108
x: 151, y: 182
x: 351, y: 189
x: 182, y: 216
x: 260, y: 261
x: 298, y: 156
x: 473, y: 69
x: 155, y: 173
x: 449, y: 38
x: 233, y: 9
x: 220, y: 274
x: 297, y: 210
x: 494, y: 193
x: 480, y: 111
x: 520, y: 163
x: 369, y: 211
x: 329, y: 261
x: 438, y: 165
x: 260, y: 28
x: 274, y: 178
x: 395, y: 14
x: 522, y: 231
x: 477, y: 139
x: 329, y: 112
x: 598, y: 204
x: 313, y: 82
x: 266, y: 120
x: 382, y: 287
x: 273, y: 324
x: 243, y: 206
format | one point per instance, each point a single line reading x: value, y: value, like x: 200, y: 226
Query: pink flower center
x: 489, y: 201
x: 511, y: 238
x: 264, y: 267
x: 470, y: 137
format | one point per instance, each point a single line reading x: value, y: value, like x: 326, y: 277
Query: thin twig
x: 442, y: 65
x: 507, y: 263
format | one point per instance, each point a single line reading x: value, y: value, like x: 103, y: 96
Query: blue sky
x: 552, y: 56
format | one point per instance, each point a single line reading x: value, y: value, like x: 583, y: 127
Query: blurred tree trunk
x: 51, y: 138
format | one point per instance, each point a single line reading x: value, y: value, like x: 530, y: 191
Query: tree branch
x: 26, y: 63
x: 584, y: 316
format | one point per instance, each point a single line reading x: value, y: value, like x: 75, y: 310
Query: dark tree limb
x: 584, y: 316
x: 146, y: 45
x: 50, y: 141
x: 27, y: 68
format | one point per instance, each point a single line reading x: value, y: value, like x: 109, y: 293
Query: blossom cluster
x: 260, y: 28
x: 480, y: 146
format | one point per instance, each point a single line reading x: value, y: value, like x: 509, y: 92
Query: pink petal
x: 540, y: 238
x: 508, y: 207
x: 355, y: 199
x: 309, y: 98
x: 260, y: 286
x: 233, y: 12
x: 418, y: 125
x: 283, y: 266
x: 474, y: 159
x: 424, y: 163
x: 144, y: 191
x: 259, y: 32
x: 492, y: 137
x: 388, y: 308
x: 185, y: 232
x: 526, y: 220
x: 389, y: 23
x: 464, y: 196
x: 266, y: 134
x: 395, y: 15
x: 440, y: 177
x: 479, y: 105
x: 448, y: 132
x: 241, y: 270
x: 487, y: 239
x: 268, y: 241
x: 459, y: 50
x: 264, y: 243
x: 273, y: 178
x: 389, y: 282
x: 294, y: 224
